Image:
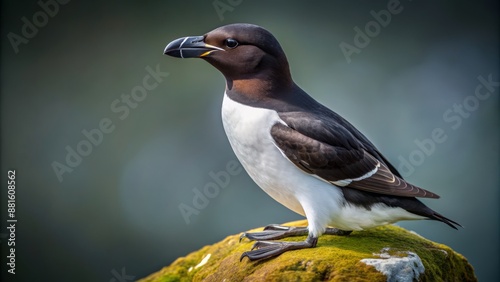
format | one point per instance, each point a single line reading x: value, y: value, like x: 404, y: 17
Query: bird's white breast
x: 249, y: 132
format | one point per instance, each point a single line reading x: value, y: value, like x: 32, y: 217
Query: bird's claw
x: 268, y: 249
x: 274, y: 232
x: 263, y: 244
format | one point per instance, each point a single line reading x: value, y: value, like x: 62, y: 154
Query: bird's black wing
x: 325, y: 148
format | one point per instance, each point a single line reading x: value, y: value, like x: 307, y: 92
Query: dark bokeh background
x: 119, y: 209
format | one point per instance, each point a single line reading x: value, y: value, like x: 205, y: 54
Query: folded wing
x: 339, y: 158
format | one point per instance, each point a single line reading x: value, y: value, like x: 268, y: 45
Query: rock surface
x: 387, y: 253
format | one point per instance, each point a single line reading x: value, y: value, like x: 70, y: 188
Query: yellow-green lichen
x: 336, y: 258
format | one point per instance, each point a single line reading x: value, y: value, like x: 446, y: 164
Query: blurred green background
x: 118, y: 210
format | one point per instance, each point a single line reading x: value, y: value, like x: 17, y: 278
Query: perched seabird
x: 304, y: 155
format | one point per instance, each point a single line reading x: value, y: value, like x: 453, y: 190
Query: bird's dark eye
x: 231, y: 43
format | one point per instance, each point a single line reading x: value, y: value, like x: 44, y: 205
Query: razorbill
x: 304, y: 155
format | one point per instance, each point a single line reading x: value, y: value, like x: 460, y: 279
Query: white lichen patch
x: 444, y: 252
x: 397, y: 268
x: 202, y: 263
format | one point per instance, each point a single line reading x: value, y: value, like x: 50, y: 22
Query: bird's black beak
x: 190, y: 47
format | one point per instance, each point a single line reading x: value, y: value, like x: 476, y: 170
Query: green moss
x: 336, y: 258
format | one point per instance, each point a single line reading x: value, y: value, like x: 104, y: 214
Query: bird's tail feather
x: 442, y: 218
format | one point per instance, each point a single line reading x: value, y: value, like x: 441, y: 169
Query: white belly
x: 248, y: 131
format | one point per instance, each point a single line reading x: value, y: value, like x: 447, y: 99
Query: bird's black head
x: 239, y: 51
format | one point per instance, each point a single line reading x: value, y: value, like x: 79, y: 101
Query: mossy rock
x: 399, y: 255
